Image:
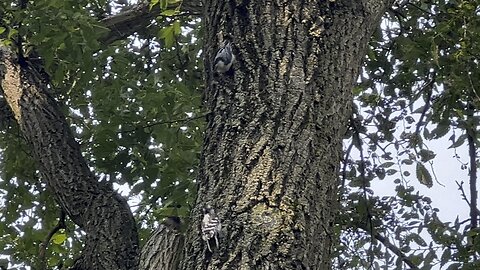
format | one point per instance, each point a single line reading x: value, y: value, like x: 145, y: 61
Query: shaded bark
x: 111, y: 240
x: 163, y: 249
x: 273, y: 142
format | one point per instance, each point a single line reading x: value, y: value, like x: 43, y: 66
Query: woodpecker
x: 211, y: 226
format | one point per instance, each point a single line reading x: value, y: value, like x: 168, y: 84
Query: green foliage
x: 133, y: 105
x: 165, y: 6
x: 418, y: 85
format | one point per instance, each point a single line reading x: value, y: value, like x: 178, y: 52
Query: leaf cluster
x: 133, y: 105
x: 416, y: 86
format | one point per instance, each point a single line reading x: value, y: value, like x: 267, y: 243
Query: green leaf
x: 12, y: 33
x: 419, y: 240
x: 59, y: 237
x: 426, y: 155
x: 168, y: 35
x: 460, y: 141
x: 446, y: 256
x: 387, y: 164
x: 407, y: 161
x: 423, y: 175
x: 454, y: 266
x: 153, y: 3
x: 176, y: 28
x: 441, y: 130
x: 163, y: 4
x: 391, y: 171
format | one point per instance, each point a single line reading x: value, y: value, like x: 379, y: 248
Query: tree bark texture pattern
x: 163, y: 249
x: 111, y: 240
x: 272, y: 147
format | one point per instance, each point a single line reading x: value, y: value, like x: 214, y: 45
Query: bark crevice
x: 278, y: 158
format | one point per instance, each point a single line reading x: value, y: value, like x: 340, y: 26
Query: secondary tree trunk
x: 112, y: 240
x: 273, y: 142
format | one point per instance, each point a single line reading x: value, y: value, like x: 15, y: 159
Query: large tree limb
x: 163, y: 250
x: 139, y: 17
x: 112, y: 240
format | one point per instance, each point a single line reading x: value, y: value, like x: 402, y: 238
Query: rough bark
x: 163, y: 249
x: 273, y: 141
x: 111, y: 240
x: 272, y: 145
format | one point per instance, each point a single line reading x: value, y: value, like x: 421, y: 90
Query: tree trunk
x: 163, y: 249
x: 272, y: 145
x: 112, y: 240
x: 273, y: 142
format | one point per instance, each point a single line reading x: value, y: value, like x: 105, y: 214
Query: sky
x: 447, y: 198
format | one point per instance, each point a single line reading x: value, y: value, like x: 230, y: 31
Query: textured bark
x: 272, y: 145
x: 163, y: 249
x: 111, y: 241
x: 273, y: 141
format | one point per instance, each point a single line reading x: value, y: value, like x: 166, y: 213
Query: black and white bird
x: 224, y: 58
x: 211, y: 226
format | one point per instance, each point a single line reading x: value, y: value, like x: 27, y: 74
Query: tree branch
x: 44, y: 244
x: 428, y: 86
x: 163, y: 250
x: 391, y: 247
x: 464, y: 197
x: 473, y: 182
x: 471, y: 136
x: 139, y: 17
x: 395, y: 250
x: 152, y: 124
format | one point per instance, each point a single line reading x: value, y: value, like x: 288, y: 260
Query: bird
x: 211, y: 226
x: 224, y: 59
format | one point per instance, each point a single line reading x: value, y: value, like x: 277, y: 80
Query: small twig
x: 434, y: 174
x: 356, y: 137
x: 44, y: 244
x: 375, y: 141
x: 473, y: 87
x: 428, y: 86
x: 419, y: 8
x: 139, y: 16
x: 464, y: 196
x: 165, y: 122
x: 399, y: 17
x: 344, y: 169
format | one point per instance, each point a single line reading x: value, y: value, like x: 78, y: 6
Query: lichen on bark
x: 273, y: 140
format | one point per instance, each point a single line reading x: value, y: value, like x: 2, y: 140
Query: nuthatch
x: 224, y: 58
